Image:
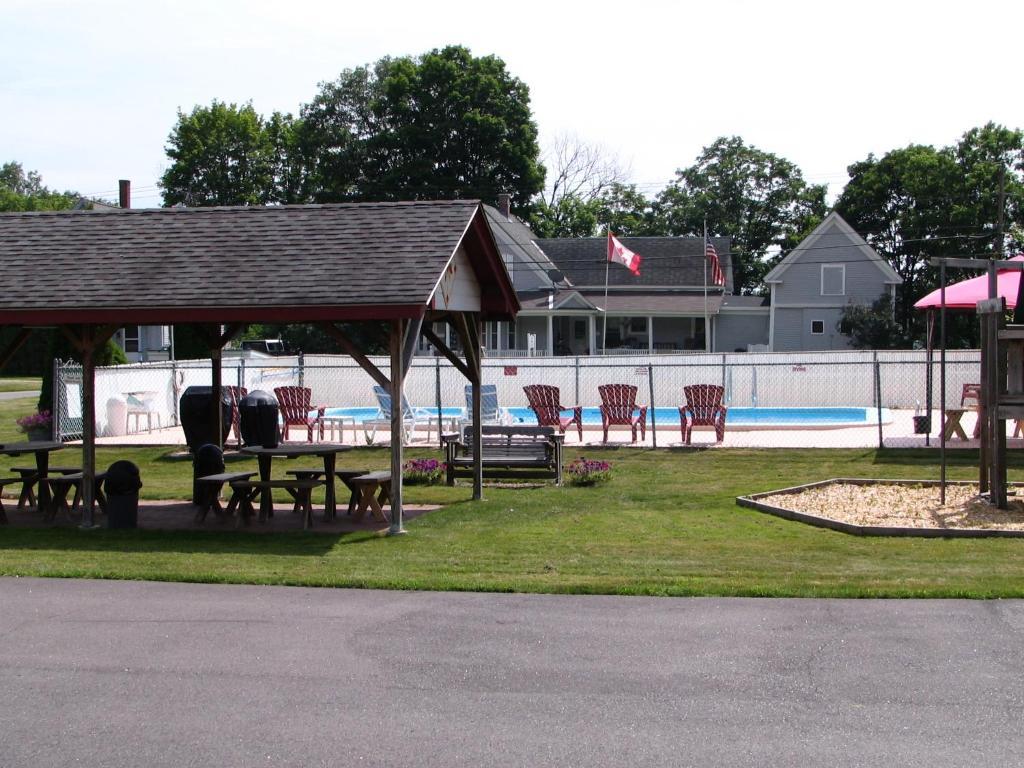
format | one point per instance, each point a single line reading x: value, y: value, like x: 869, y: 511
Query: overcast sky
x: 89, y: 90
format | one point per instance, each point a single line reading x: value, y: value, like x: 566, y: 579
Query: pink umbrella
x: 967, y: 293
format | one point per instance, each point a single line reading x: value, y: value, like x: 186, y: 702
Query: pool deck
x: 899, y: 433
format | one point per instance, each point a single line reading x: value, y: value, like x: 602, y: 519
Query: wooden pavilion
x: 410, y: 264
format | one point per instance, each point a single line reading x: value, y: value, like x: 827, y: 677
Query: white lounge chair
x: 382, y: 419
x: 490, y: 411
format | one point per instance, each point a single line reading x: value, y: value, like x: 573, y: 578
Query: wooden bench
x: 208, y: 496
x: 345, y: 475
x: 29, y: 479
x: 61, y: 485
x: 300, y: 489
x: 374, y: 491
x: 507, y: 451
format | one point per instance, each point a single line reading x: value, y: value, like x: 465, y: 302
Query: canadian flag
x: 620, y: 254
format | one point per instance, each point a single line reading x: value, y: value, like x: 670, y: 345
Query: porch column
x: 592, y: 333
x: 551, y: 336
x: 397, y: 380
x: 650, y: 333
x: 707, y: 333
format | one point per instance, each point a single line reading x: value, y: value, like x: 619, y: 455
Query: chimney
x: 124, y: 188
x: 505, y: 204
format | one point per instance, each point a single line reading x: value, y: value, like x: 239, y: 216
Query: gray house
x: 830, y: 269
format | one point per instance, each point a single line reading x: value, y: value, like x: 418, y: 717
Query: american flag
x: 712, y: 256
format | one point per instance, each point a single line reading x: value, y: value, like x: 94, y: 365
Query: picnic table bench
x: 368, y: 486
x: 301, y: 489
x: 209, y: 492
x: 507, y: 451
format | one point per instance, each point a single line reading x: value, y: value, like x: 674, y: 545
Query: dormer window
x: 833, y: 279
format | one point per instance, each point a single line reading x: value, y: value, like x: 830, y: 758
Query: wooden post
x: 88, y: 426
x: 397, y: 379
x: 217, y: 417
x: 478, y: 461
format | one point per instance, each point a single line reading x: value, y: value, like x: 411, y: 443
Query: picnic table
x: 42, y: 450
x: 265, y: 456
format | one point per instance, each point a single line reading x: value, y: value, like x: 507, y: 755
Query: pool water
x: 751, y: 417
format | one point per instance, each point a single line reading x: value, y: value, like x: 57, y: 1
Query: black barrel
x: 122, y: 485
x: 258, y: 416
x: 195, y: 410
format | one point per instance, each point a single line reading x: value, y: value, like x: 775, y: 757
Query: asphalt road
x: 140, y: 674
x: 18, y: 395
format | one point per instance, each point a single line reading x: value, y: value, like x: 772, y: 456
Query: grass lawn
x: 666, y: 524
x: 20, y: 385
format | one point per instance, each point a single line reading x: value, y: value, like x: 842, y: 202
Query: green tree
x: 756, y: 198
x: 21, y: 191
x: 220, y: 155
x: 873, y: 327
x: 920, y: 202
x: 445, y: 124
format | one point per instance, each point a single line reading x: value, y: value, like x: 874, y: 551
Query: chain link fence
x: 888, y: 387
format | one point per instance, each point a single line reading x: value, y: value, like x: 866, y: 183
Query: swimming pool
x: 744, y: 418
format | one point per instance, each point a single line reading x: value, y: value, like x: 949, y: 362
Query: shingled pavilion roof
x: 355, y: 261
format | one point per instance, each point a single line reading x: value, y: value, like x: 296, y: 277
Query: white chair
x: 490, y: 411
x: 382, y: 419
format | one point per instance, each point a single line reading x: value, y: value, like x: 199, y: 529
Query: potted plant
x: 587, y: 472
x: 37, y: 426
x: 422, y: 471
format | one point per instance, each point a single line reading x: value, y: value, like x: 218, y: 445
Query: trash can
x: 117, y: 418
x: 206, y: 460
x: 122, y: 488
x: 195, y: 409
x: 258, y: 416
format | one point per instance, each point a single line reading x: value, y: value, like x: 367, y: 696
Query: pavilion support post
x: 88, y: 429
x: 217, y: 371
x: 87, y: 340
x: 398, y: 328
x: 468, y: 326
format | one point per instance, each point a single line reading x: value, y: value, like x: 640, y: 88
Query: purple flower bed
x: 35, y: 421
x: 422, y: 471
x: 583, y: 471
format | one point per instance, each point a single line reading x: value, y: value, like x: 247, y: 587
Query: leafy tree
x: 21, y: 191
x: 756, y: 198
x: 442, y: 125
x: 618, y: 206
x: 872, y: 327
x: 221, y: 155
x: 919, y: 202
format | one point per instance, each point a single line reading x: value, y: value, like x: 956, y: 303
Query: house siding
x: 801, y: 281
x: 735, y: 331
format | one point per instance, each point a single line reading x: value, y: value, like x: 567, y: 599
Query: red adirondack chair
x: 703, y: 408
x: 295, y: 408
x: 544, y: 400
x: 618, y: 406
x: 236, y: 394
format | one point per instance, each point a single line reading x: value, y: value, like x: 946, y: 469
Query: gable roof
x: 824, y: 236
x: 664, y: 261
x: 353, y: 261
x: 517, y: 242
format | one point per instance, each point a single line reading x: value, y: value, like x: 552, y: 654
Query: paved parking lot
x: 134, y: 673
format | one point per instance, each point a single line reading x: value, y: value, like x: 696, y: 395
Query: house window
x: 833, y: 279
x: 638, y: 325
x: 491, y: 336
x: 510, y: 331
x: 817, y: 327
x: 131, y: 338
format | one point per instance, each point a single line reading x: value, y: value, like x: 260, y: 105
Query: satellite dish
x: 555, y: 275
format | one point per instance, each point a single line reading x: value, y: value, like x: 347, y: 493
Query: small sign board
x: 799, y: 368
x: 511, y: 370
x: 641, y: 370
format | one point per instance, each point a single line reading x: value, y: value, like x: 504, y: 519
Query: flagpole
x: 604, y: 329
x: 706, y: 284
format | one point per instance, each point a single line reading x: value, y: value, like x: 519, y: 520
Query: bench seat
x: 506, y: 451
